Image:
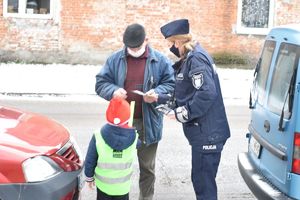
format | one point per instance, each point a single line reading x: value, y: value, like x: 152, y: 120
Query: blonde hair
x: 186, y: 40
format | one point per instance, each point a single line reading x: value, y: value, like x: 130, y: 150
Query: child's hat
x: 118, y: 111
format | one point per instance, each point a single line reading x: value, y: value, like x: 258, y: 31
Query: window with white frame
x: 255, y: 17
x: 28, y: 8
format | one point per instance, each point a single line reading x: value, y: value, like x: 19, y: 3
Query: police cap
x: 177, y: 27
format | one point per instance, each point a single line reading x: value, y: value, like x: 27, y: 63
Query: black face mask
x: 175, y: 51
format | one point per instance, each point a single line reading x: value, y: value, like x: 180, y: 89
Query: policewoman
x: 199, y: 106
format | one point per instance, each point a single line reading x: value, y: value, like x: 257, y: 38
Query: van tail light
x: 296, y: 155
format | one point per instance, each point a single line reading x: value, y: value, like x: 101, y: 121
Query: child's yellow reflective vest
x: 114, y: 168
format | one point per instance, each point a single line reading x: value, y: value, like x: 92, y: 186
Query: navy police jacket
x: 199, y: 100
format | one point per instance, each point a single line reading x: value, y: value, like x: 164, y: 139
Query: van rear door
x: 273, y: 119
x: 257, y: 99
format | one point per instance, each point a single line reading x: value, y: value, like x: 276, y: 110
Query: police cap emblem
x: 197, y: 80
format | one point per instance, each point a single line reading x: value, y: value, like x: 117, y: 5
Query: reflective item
x: 118, y: 180
x: 182, y: 114
x: 40, y: 168
x: 116, y: 166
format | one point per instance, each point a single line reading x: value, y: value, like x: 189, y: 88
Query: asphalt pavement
x: 173, y: 164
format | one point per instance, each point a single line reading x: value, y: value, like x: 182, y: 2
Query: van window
x: 286, y: 62
x: 263, y: 70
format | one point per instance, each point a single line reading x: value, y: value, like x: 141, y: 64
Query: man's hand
x: 120, y: 93
x: 150, y: 96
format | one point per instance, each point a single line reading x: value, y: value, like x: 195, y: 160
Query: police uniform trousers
x: 146, y: 158
x: 204, y: 170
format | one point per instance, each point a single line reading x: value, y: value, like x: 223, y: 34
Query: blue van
x: 271, y: 167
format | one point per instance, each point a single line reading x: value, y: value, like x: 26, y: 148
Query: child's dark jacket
x: 118, y: 138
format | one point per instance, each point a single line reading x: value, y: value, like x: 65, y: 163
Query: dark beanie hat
x: 177, y: 27
x: 134, y: 35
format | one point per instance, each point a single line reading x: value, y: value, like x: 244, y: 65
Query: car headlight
x: 76, y: 147
x: 40, y: 168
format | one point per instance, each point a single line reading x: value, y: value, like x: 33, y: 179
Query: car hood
x: 24, y: 135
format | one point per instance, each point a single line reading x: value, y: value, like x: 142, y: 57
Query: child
x: 110, y: 154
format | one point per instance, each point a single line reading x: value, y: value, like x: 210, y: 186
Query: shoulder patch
x: 197, y: 80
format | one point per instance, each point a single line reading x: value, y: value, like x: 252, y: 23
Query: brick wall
x: 3, y: 28
x: 88, y: 31
x: 30, y: 34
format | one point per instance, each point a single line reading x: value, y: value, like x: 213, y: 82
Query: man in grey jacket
x: 138, y: 67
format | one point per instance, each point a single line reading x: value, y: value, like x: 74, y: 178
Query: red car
x: 38, y: 158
